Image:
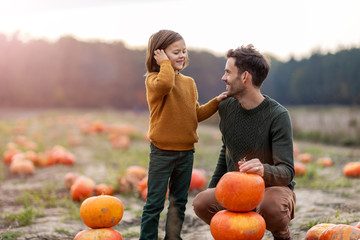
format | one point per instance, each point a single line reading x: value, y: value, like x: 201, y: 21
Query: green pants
x: 164, y: 165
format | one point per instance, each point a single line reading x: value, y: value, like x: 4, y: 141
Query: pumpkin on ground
x: 340, y: 232
x: 300, y: 168
x: 142, y: 184
x: 352, y: 169
x: 82, y: 188
x: 8, y: 155
x: 240, y: 192
x: 305, y: 157
x: 136, y: 172
x: 324, y: 161
x: 43, y: 160
x: 315, y: 232
x: 121, y: 141
x: 102, y: 211
x: 105, y: 189
x: 132, y: 176
x: 198, y: 180
x: 22, y: 166
x: 70, y: 178
x: 227, y: 225
x: 98, y: 234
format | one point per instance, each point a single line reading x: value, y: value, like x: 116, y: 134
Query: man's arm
x: 220, y: 169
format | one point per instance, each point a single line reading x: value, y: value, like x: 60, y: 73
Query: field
x: 39, y: 206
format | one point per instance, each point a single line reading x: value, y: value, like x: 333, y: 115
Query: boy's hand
x: 160, y: 55
x: 221, y: 96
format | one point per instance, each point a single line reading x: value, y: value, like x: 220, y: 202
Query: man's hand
x: 252, y: 166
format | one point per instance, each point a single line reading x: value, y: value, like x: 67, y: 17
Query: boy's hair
x: 249, y: 59
x: 161, y: 40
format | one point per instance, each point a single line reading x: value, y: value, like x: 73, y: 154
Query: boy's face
x: 176, y: 52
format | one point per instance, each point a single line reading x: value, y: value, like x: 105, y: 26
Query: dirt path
x: 336, y: 204
x: 311, y: 204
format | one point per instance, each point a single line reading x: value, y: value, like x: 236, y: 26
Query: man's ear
x: 245, y: 75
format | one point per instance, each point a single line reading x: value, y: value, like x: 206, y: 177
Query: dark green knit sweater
x: 263, y: 132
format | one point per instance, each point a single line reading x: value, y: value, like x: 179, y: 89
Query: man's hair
x: 247, y: 58
x: 161, y: 40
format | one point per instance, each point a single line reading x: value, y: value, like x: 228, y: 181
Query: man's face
x: 233, y: 82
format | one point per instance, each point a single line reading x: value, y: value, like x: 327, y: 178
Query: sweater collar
x: 256, y: 109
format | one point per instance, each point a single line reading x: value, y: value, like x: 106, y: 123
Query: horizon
x: 281, y: 28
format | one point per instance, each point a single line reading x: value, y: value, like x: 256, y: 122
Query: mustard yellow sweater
x: 174, y: 109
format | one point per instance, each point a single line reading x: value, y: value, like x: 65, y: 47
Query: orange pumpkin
x: 227, y: 225
x: 98, y: 234
x: 315, y: 232
x: 82, y: 188
x: 352, y: 169
x: 102, y: 211
x: 340, y: 232
x: 105, y: 189
x: 121, y: 142
x: 67, y: 159
x: 143, y: 194
x: 198, y: 180
x: 124, y: 186
x: 137, y: 172
x: 70, y: 179
x: 98, y: 127
x: 7, y: 156
x: 142, y: 184
x: 300, y: 169
x: 22, y: 166
x: 31, y: 155
x: 305, y: 157
x: 132, y: 176
x: 324, y: 161
x: 357, y: 225
x: 44, y: 160
x: 240, y: 192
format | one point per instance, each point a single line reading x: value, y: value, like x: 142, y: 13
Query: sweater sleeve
x: 282, y: 172
x: 207, y: 110
x: 160, y: 84
x: 220, y: 169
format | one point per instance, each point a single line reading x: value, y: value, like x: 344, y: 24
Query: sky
x: 282, y: 28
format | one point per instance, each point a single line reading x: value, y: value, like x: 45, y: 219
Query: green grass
x: 130, y: 234
x: 314, y: 179
x: 63, y: 231
x: 24, y: 218
x: 107, y: 163
x: 10, y: 235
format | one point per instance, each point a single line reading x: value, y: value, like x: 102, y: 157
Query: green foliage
x: 314, y: 179
x: 63, y: 231
x: 23, y: 218
x: 112, y: 75
x: 10, y: 235
x: 130, y: 234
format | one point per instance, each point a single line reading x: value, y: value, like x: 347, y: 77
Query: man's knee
x: 198, y: 203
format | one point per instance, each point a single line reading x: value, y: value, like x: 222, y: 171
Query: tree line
x: 70, y: 73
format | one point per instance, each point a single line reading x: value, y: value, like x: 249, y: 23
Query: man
x: 257, y: 138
